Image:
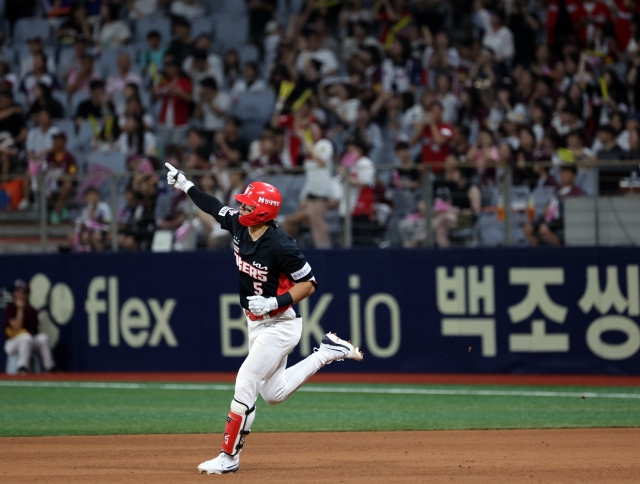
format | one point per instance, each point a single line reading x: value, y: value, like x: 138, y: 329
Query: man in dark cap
x: 21, y: 330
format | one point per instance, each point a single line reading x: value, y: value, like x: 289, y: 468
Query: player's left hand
x: 260, y: 306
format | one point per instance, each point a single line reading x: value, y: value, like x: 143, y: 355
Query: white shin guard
x: 238, y: 427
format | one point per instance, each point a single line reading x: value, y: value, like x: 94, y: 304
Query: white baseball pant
x: 24, y: 344
x: 264, y: 370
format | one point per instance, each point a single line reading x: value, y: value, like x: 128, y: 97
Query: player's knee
x: 273, y: 398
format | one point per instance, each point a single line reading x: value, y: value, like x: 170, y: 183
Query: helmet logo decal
x: 266, y: 201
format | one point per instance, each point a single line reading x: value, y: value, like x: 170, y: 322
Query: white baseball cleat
x: 339, y: 348
x: 222, y: 464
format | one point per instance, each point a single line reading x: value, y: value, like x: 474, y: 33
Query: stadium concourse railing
x: 619, y: 178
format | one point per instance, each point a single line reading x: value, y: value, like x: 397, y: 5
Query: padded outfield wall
x: 468, y: 311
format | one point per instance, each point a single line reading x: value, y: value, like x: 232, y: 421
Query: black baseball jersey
x: 268, y: 267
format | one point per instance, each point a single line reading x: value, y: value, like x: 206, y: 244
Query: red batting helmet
x: 267, y: 200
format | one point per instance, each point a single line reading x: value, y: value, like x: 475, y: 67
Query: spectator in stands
x: 175, y: 93
x: 435, y: 135
x: 151, y: 58
x: 395, y: 68
x: 188, y: 9
x: 112, y: 32
x: 44, y: 100
x: 182, y: 46
x: 74, y: 63
x: 127, y: 218
x: 97, y: 109
x: 315, y: 61
x: 550, y: 228
x: 201, y: 65
x: 135, y: 139
x: 267, y: 157
x: 260, y: 14
x: 318, y: 186
x: 117, y: 82
x: 8, y: 80
x: 79, y: 80
x: 359, y: 40
x: 457, y: 202
x: 228, y: 143
x: 21, y: 331
x: 76, y: 26
x: 231, y: 66
x: 497, y: 36
x: 39, y: 142
x: 92, y: 226
x: 213, y: 106
x: 249, y: 82
x: 35, y: 47
x: 342, y: 102
x: 60, y: 165
x: 13, y: 134
x: 584, y: 159
x: 133, y: 107
x: 141, y: 8
x: 39, y: 75
x: 610, y: 151
x: 361, y: 175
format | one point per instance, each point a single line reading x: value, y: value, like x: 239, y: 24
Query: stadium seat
x: 232, y: 7
x: 255, y: 106
x: 114, y: 161
x: 231, y: 32
x: 202, y: 26
x: 63, y: 99
x: 67, y: 126
x: 249, y: 53
x: 65, y: 56
x: 76, y: 99
x: 146, y: 24
x: 83, y: 137
x: 28, y: 27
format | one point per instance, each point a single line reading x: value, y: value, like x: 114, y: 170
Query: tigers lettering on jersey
x: 253, y: 272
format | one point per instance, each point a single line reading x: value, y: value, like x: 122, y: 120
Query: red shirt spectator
x: 436, y: 137
x: 624, y: 17
x: 293, y: 144
x: 175, y: 92
x: 587, y: 15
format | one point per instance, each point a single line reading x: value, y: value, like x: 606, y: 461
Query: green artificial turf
x: 197, y: 408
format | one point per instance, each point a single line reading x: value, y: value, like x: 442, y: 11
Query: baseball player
x: 274, y: 275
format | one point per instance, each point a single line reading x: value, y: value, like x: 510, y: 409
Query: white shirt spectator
x: 271, y: 43
x: 116, y: 83
x: 102, y: 213
x: 241, y: 86
x: 26, y: 65
x: 213, y: 68
x: 395, y: 78
x: 450, y: 104
x: 150, y: 148
x: 499, y: 41
x: 189, y: 9
x: 348, y: 110
x: 365, y: 173
x: 327, y: 59
x: 39, y: 141
x: 142, y: 8
x: 114, y: 34
x: 453, y: 57
x: 213, y: 122
x: 318, y: 180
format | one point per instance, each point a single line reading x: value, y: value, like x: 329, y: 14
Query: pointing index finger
x: 170, y: 167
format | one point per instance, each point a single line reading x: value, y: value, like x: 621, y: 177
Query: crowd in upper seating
x: 335, y: 101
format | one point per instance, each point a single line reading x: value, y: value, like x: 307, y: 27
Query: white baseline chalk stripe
x: 318, y: 389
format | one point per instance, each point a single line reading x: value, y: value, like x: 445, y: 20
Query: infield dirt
x: 489, y: 456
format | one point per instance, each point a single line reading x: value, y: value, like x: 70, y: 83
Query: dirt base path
x: 495, y: 456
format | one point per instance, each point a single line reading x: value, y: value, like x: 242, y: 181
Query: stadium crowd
x: 342, y: 104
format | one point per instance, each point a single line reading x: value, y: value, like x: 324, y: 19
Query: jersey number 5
x: 257, y: 288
